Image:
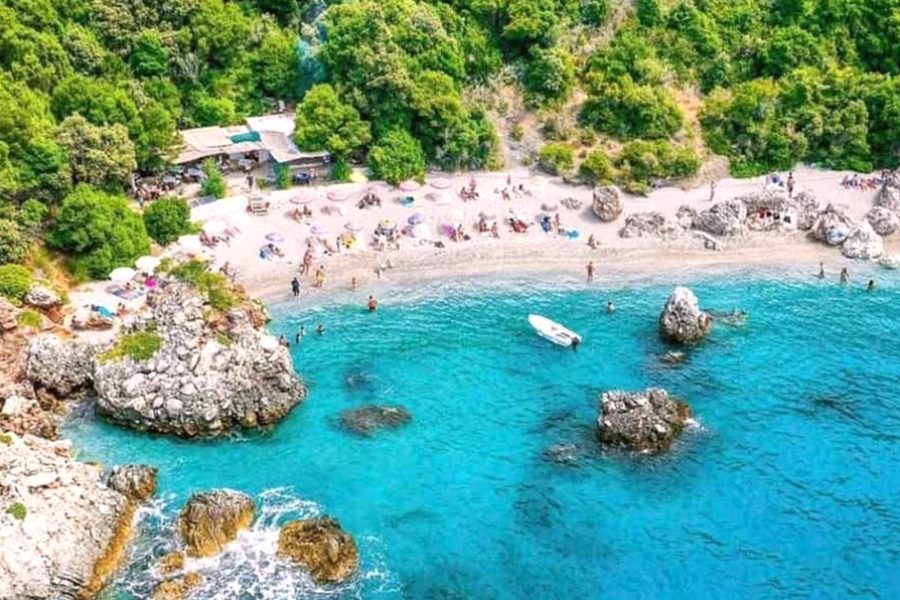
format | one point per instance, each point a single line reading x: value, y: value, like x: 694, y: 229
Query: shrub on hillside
x: 13, y: 242
x: 596, y: 168
x: 556, y: 158
x: 15, y: 281
x: 641, y: 162
x: 214, y: 185
x: 397, y: 157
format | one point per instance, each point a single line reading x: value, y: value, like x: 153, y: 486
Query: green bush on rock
x: 141, y: 345
x: 17, y: 510
x: 15, y: 281
x: 213, y: 286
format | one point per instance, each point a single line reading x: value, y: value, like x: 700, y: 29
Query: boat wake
x: 248, y: 568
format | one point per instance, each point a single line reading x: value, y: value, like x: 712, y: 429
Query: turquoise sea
x: 788, y: 488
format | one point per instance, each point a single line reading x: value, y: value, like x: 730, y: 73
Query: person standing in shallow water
x: 871, y: 286
x: 590, y: 272
x: 821, y: 270
x: 372, y: 304
x: 845, y: 276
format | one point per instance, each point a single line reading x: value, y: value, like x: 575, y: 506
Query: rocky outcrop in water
x: 62, y: 369
x: 63, y: 531
x: 210, y: 520
x: 649, y: 225
x: 647, y: 421
x: 136, y: 482
x: 723, y: 219
x: 863, y: 243
x: 607, y: 204
x: 366, y: 420
x: 833, y: 225
x: 177, y: 588
x: 322, y: 547
x: 681, y: 320
x: 203, y: 380
x: 883, y: 221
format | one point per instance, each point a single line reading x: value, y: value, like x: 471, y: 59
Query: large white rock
x: 71, y: 518
x: 863, y: 243
x: 681, y: 320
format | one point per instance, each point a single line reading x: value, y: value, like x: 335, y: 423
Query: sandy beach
x: 334, y: 209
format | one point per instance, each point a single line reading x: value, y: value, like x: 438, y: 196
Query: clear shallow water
x: 789, y: 488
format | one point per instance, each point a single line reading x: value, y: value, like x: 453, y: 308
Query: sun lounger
x: 124, y: 293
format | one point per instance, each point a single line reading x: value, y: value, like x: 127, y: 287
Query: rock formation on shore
x: 63, y: 369
x: 366, y: 420
x: 725, y: 218
x: 863, y: 243
x: 322, y: 547
x: 649, y: 225
x: 607, y: 203
x: 647, y: 421
x: 210, y: 520
x: 136, y: 482
x: 883, y: 221
x: 205, y: 378
x: 833, y: 225
x: 681, y: 320
x: 63, y: 531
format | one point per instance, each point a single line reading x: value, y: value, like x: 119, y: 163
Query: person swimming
x: 610, y: 307
x: 372, y: 304
x: 871, y: 286
x: 320, y: 329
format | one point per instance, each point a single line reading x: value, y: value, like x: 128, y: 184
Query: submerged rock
x: 863, y: 243
x: 210, y: 520
x: 562, y: 454
x: 368, y: 419
x: 647, y: 421
x: 607, y: 204
x: 63, y: 531
x: 196, y: 384
x: 64, y: 369
x: 833, y: 225
x: 136, y: 482
x: 177, y: 588
x: 649, y: 225
x: 673, y: 357
x: 322, y: 547
x: 681, y: 320
x: 723, y: 219
x: 883, y: 221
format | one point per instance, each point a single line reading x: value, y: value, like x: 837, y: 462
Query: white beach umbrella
x: 122, y: 274
x: 146, y: 264
x: 441, y: 183
x: 190, y: 243
x: 215, y: 227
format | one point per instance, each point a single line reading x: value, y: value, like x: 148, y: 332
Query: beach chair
x: 258, y: 206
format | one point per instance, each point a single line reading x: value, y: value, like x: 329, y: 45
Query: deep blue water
x: 790, y: 487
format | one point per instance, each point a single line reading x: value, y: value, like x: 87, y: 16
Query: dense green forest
x: 91, y: 90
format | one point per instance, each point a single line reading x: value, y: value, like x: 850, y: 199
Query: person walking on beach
x: 372, y: 304
x: 592, y: 243
x: 821, y: 270
x: 712, y: 190
x: 845, y: 276
x: 295, y: 287
x: 790, y: 184
x: 590, y: 272
x: 320, y: 276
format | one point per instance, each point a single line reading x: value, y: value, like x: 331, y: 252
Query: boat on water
x: 553, y: 331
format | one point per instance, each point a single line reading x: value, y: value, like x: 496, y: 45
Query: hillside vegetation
x: 91, y: 90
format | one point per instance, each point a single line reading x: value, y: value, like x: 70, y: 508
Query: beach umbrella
x: 441, y: 183
x: 416, y: 218
x: 147, y: 264
x: 216, y: 227
x: 122, y: 274
x: 387, y: 225
x: 190, y: 243
x: 301, y: 199
x: 410, y: 186
x: 338, y: 195
x: 274, y: 237
x: 349, y: 226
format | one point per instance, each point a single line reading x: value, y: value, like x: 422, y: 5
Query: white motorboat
x: 553, y: 331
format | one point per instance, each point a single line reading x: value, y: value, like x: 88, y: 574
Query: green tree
x: 167, y: 219
x: 214, y: 184
x: 149, y: 58
x: 323, y: 122
x: 397, y: 157
x: 627, y: 110
x: 549, y: 75
x: 13, y: 242
x: 99, y: 230
x: 278, y: 65
x: 102, y: 156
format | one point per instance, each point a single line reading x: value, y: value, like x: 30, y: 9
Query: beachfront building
x: 259, y: 146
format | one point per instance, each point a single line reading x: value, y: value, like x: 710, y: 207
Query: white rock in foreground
x: 863, y: 243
